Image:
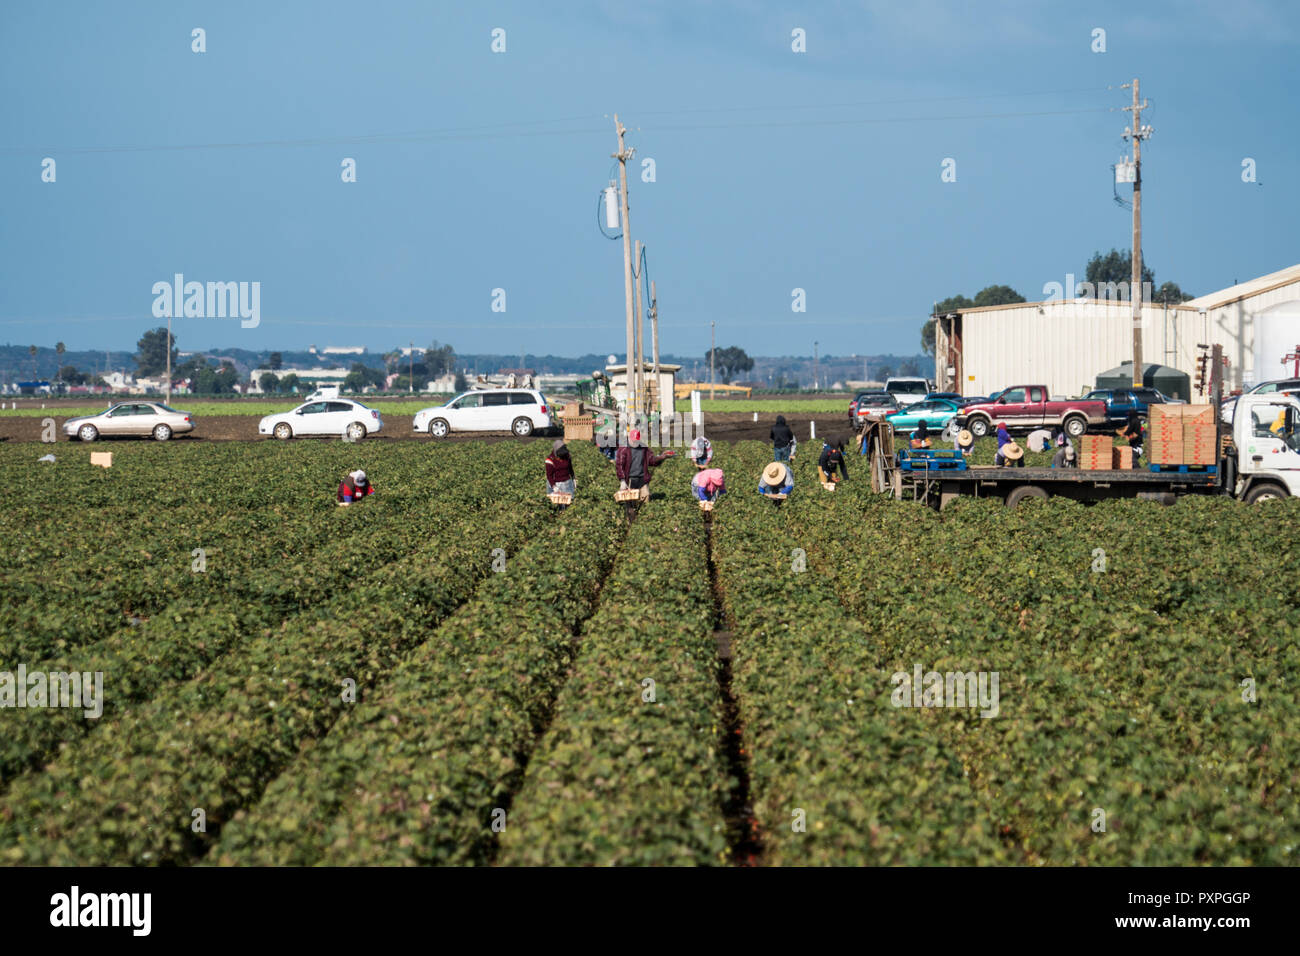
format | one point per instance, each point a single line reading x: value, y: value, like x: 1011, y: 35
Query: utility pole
x: 713, y: 347
x: 623, y: 155
x: 169, y: 358
x: 643, y: 394
x: 654, y: 327
x: 815, y: 369
x: 1138, y: 132
x: 411, y: 383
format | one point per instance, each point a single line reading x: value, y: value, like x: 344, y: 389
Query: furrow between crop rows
x: 629, y: 771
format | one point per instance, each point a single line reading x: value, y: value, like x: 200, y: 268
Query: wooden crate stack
x: 577, y: 426
x: 1182, y: 435
x: 1096, y: 452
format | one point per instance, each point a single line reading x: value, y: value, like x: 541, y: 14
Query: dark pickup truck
x: 1026, y: 407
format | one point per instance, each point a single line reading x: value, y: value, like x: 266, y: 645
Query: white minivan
x: 517, y: 410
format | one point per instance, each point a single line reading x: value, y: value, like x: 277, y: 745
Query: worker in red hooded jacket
x: 634, y: 460
x: 354, y: 487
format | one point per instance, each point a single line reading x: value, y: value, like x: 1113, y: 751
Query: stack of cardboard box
x: 1123, y: 458
x: 1181, y: 435
x: 1200, y: 436
x: 1096, y: 453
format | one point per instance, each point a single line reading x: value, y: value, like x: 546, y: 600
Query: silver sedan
x: 131, y: 418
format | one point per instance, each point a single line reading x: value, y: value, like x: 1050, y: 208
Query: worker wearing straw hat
x: 965, y: 442
x: 1010, y: 455
x: 777, y: 479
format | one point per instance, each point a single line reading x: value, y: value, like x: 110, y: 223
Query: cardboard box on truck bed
x: 1095, y: 452
x: 1123, y: 458
x: 1163, y: 451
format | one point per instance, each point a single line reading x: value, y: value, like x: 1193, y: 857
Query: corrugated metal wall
x: 1064, y: 345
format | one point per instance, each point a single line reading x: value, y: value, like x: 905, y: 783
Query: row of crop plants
x: 837, y: 776
x: 128, y: 565
x: 1123, y: 735
x: 416, y: 772
x: 126, y: 794
x: 630, y: 771
x: 326, y: 551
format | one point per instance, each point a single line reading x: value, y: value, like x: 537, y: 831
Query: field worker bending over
x: 354, y: 487
x: 702, y: 452
x: 559, y: 470
x: 634, y: 460
x: 777, y: 479
x: 784, y: 444
x: 1010, y: 455
x: 1064, y: 457
x: 965, y: 443
x: 1132, y: 431
x: 708, y: 484
x: 832, y: 457
x: 921, y: 437
x: 607, y: 441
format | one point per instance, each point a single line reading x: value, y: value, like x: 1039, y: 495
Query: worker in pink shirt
x: 709, y: 484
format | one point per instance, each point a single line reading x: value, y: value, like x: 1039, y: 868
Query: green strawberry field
x: 453, y: 672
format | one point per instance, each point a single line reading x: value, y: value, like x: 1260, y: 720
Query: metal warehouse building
x: 1065, y: 344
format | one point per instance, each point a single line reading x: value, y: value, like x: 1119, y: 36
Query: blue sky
x: 476, y: 170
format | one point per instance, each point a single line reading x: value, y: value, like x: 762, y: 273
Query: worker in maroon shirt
x: 559, y: 470
x: 354, y: 487
x: 634, y: 460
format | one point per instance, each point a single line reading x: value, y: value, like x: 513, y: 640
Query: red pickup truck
x: 1026, y: 407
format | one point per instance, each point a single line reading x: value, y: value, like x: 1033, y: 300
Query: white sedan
x: 336, y: 417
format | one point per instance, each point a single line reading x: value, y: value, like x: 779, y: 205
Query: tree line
x: 1113, y: 267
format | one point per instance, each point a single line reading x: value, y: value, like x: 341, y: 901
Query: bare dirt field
x: 718, y: 426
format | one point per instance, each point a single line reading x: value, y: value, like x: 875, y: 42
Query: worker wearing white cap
x: 354, y: 487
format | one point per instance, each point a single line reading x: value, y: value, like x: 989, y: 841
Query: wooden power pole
x: 168, y: 399
x: 713, y: 347
x: 623, y: 155
x: 1138, y: 133
x: 643, y: 394
x: 654, y: 328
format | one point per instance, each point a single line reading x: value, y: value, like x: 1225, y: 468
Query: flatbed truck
x: 1255, y: 464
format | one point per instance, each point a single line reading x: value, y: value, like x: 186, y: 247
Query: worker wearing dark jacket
x: 354, y: 487
x: 783, y: 441
x: 1132, y: 431
x: 634, y: 460
x: 832, y: 457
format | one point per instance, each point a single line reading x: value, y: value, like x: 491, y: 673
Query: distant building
x: 1066, y: 343
x: 339, y: 350
x: 662, y: 393
x: 306, y: 376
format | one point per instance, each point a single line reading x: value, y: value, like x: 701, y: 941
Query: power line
x: 507, y: 130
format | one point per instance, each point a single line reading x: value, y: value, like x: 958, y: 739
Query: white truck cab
x: 1266, y: 433
x: 322, y: 393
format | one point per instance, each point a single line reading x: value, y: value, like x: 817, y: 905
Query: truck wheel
x: 1022, y: 492
x: 1265, y: 493
x: 979, y: 427
x: 1075, y: 426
